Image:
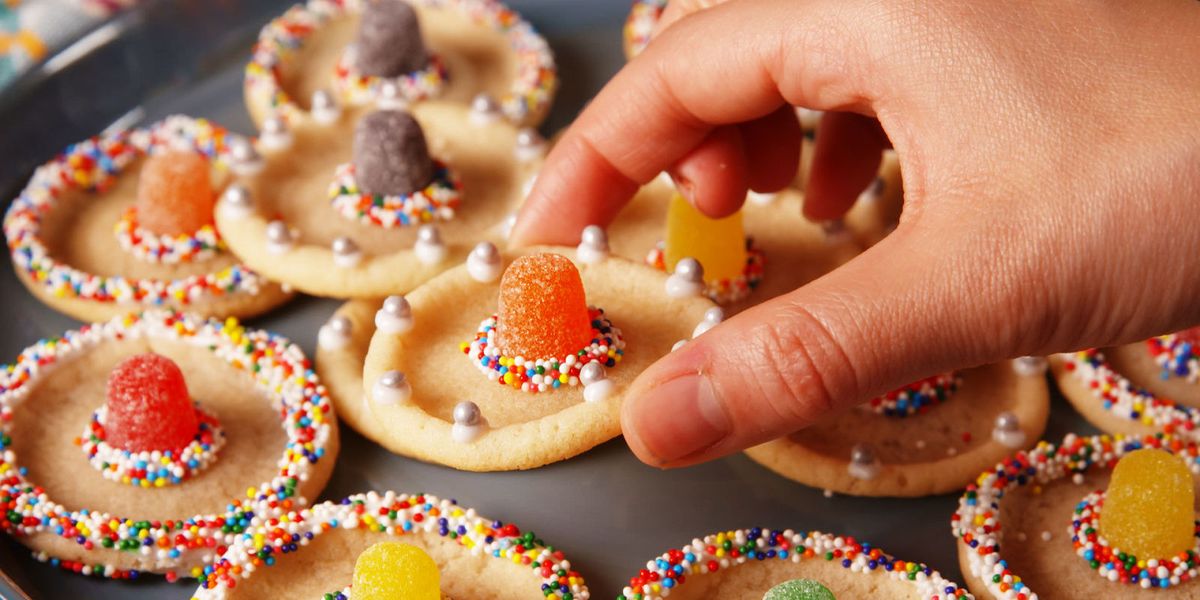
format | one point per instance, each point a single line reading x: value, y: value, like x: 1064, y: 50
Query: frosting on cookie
x: 174, y: 547
x: 268, y: 541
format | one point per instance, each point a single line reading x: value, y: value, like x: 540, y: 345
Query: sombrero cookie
x: 144, y: 444
x: 528, y: 367
x: 1136, y: 388
x: 764, y: 564
x: 124, y: 220
x: 375, y: 202
x: 389, y: 546
x: 1092, y: 517
x: 764, y: 250
x: 362, y: 52
x: 930, y: 437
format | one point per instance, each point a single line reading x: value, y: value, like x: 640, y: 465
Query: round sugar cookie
x: 441, y: 389
x: 791, y: 250
x: 77, y: 244
x: 474, y: 51
x: 1135, y: 389
x: 79, y: 499
x: 303, y: 214
x: 342, y: 344
x: 928, y: 438
x: 312, y: 553
x: 1027, y: 528
x: 746, y: 563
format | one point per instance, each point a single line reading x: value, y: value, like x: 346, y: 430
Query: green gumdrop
x: 799, y: 589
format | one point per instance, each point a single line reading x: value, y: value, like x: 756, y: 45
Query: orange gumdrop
x: 543, y: 310
x: 175, y: 193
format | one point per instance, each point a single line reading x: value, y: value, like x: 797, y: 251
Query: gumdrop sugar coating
x: 1149, y: 506
x: 175, y: 193
x: 394, y: 571
x: 148, y: 405
x: 719, y: 244
x: 799, y: 589
x: 543, y: 310
x: 389, y: 40
x: 391, y: 157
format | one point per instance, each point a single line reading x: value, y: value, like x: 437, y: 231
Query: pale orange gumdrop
x: 543, y: 310
x: 719, y: 244
x: 395, y: 571
x: 175, y: 193
x: 1149, y: 508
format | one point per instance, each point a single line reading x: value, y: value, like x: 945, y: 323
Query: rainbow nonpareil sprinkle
x: 916, y: 398
x: 269, y: 541
x: 544, y: 374
x: 178, y: 547
x: 146, y: 245
x: 724, y: 291
x: 437, y: 201
x: 356, y: 89
x: 1116, y: 566
x: 92, y: 166
x: 156, y: 468
x: 1177, y: 354
x: 1124, y: 399
x: 733, y: 549
x: 640, y: 24
x: 531, y: 92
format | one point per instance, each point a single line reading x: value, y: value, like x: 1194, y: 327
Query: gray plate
x: 609, y: 512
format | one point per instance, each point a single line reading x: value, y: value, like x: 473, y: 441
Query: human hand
x: 1049, y: 154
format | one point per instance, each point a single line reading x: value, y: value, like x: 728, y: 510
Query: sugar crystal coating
x: 395, y: 571
x: 799, y: 589
x: 148, y: 405
x: 391, y: 156
x: 543, y: 310
x: 1149, y: 507
x: 389, y: 42
x: 175, y: 193
x: 719, y: 244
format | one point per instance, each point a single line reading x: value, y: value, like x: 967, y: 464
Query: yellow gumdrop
x: 719, y: 244
x: 394, y: 571
x: 1149, y: 506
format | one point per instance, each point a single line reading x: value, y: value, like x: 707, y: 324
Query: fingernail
x: 682, y: 417
x: 686, y: 188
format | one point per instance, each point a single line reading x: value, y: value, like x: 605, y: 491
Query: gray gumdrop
x: 391, y: 157
x: 389, y: 42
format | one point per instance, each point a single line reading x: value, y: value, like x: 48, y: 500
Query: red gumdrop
x: 175, y: 193
x: 149, y: 407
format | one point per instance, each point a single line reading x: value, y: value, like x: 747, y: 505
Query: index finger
x: 728, y: 64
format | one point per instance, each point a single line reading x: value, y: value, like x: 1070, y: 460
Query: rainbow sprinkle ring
x: 175, y: 547
x: 1121, y: 397
x: 1176, y: 354
x: 732, y: 549
x: 607, y: 348
x: 438, y: 201
x: 146, y: 245
x: 152, y: 468
x: 916, y: 398
x: 279, y: 41
x: 640, y: 24
x: 270, y: 541
x: 93, y: 166
x: 724, y: 291
x: 977, y: 524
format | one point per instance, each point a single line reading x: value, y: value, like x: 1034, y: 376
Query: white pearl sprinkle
x: 484, y: 263
x: 395, y: 317
x: 484, y: 110
x: 325, y: 109
x: 687, y: 280
x: 712, y: 318
x: 429, y: 247
x: 237, y: 202
x: 530, y: 145
x: 276, y: 135
x: 346, y: 253
x: 280, y: 237
x: 1030, y: 366
x: 593, y: 245
x: 391, y: 388
x: 335, y: 333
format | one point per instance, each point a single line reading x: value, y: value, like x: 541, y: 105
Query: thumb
x: 883, y: 320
